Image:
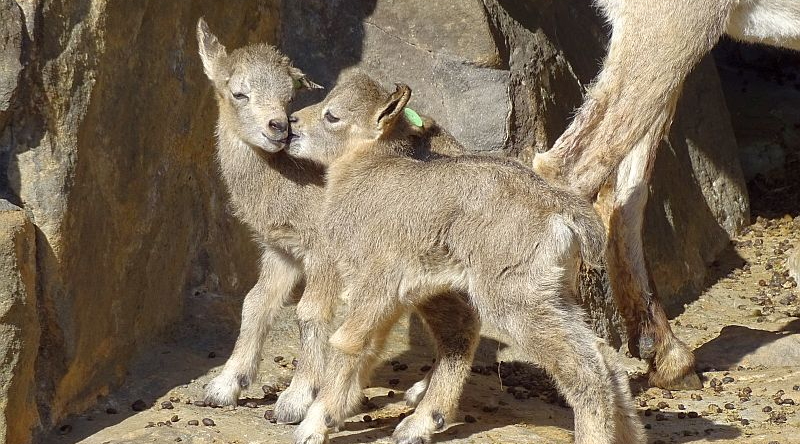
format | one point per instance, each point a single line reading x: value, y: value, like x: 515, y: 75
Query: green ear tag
x: 297, y: 84
x: 412, y: 117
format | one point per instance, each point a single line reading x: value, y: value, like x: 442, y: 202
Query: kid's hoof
x: 416, y: 429
x: 292, y: 406
x: 288, y: 416
x: 416, y: 392
x: 223, y: 390
x: 410, y: 440
x: 314, y: 438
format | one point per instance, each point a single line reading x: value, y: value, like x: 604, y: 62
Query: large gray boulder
x: 504, y: 76
x: 443, y: 50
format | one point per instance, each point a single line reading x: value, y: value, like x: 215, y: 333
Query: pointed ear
x: 211, y: 50
x: 301, y: 80
x: 393, y: 107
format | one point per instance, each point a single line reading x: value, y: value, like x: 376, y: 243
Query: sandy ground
x: 745, y: 328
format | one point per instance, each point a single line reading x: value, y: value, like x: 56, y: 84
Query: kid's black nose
x: 278, y: 125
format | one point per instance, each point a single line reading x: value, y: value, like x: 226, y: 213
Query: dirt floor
x: 745, y: 328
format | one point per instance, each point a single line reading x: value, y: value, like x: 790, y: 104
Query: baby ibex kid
x: 272, y: 194
x: 279, y: 198
x: 402, y: 230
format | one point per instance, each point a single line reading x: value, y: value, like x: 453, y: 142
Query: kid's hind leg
x: 279, y: 275
x: 552, y: 331
x: 455, y: 328
x: 565, y: 347
x: 628, y: 426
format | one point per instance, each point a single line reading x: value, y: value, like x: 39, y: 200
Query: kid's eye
x: 330, y: 117
x: 240, y: 96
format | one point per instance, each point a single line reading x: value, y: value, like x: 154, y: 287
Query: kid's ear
x: 301, y: 80
x: 211, y: 50
x: 393, y: 107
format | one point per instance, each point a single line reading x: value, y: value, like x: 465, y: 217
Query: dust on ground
x: 745, y: 328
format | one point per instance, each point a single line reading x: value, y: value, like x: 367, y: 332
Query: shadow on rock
x: 185, y: 354
x: 737, y: 345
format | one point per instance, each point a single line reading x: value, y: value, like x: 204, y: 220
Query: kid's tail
x: 584, y: 222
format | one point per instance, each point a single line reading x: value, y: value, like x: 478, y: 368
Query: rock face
x: 19, y: 325
x: 107, y: 142
x: 762, y: 87
x: 504, y: 76
x: 10, y: 50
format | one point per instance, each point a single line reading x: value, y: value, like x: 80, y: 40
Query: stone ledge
x: 19, y: 325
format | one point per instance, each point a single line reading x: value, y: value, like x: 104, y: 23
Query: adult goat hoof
x: 673, y: 368
x: 688, y: 382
